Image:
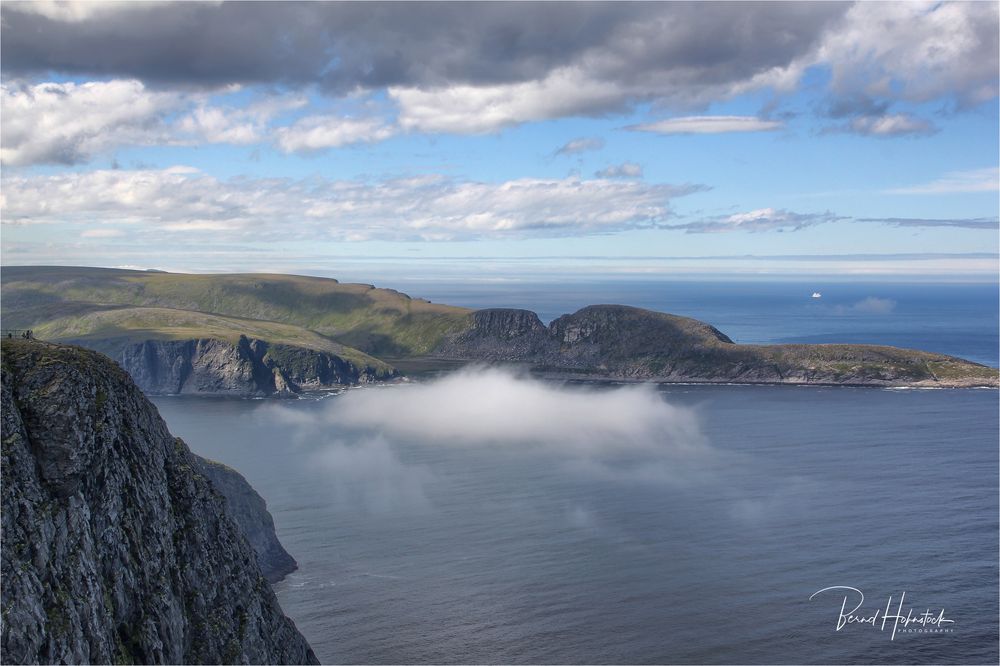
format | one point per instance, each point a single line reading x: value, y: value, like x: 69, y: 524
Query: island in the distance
x: 268, y: 334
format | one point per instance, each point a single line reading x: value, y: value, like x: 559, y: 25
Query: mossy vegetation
x: 70, y: 303
x: 106, y: 309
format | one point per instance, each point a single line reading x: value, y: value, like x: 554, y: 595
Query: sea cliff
x: 249, y: 510
x: 250, y: 367
x: 117, y: 548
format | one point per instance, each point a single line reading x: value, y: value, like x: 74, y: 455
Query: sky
x: 491, y: 141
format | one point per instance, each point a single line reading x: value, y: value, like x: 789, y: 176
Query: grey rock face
x: 116, y: 549
x: 249, y: 510
x: 499, y: 334
x: 601, y: 339
x: 250, y: 368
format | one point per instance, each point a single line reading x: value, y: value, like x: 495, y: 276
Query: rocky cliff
x: 615, y: 341
x: 116, y: 548
x: 249, y: 510
x: 251, y: 367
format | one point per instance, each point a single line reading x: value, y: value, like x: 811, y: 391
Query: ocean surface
x: 598, y: 523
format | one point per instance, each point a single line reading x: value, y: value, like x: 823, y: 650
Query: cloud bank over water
x: 369, y: 473
x: 359, y: 440
x: 381, y: 448
x: 496, y: 408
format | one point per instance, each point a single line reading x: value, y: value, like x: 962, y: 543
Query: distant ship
x: 816, y: 294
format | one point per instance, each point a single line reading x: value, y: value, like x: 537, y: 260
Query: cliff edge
x: 249, y: 510
x: 116, y: 548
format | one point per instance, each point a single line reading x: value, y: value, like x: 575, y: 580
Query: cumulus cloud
x: 580, y: 145
x: 246, y: 125
x: 68, y: 123
x: 708, y: 125
x: 975, y: 180
x: 495, y: 408
x: 624, y: 170
x: 215, y: 125
x: 466, y: 109
x: 480, y: 67
x: 666, y: 49
x: 762, y: 219
x: 314, y: 133
x: 182, y: 199
x: 915, y: 51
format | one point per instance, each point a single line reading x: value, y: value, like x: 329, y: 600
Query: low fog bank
x: 371, y: 444
x: 499, y: 408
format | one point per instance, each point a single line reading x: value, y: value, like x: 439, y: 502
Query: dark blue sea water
x: 689, y: 524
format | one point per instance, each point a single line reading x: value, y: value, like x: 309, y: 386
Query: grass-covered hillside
x: 111, y: 328
x: 66, y: 303
x: 110, y: 309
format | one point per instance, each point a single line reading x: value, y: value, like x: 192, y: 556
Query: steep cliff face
x: 602, y: 339
x: 499, y: 334
x: 631, y: 343
x: 249, y: 510
x: 251, y: 367
x: 116, y: 549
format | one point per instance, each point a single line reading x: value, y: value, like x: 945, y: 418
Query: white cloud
x: 76, y: 11
x: 495, y: 408
x: 244, y: 125
x: 467, y: 109
x: 624, y: 170
x: 915, y: 51
x: 895, y: 124
x: 320, y: 132
x: 68, y: 123
x: 677, y: 56
x: 181, y: 199
x: 708, y: 125
x: 762, y: 219
x: 580, y: 145
x: 912, y: 51
x: 975, y: 180
x: 217, y: 125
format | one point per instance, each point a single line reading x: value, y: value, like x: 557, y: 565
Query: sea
x: 495, y: 518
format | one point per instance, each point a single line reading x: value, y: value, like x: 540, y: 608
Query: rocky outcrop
x: 499, y: 334
x: 251, y: 367
x: 116, y: 548
x: 249, y: 510
x: 615, y: 341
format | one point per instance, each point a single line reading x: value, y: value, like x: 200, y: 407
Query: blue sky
x: 661, y: 139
